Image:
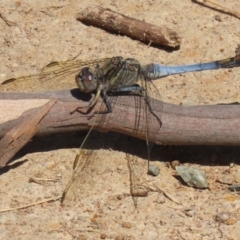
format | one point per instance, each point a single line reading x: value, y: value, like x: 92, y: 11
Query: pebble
x: 126, y: 225
x: 153, y: 170
x: 192, y: 176
x: 236, y: 177
x: 161, y: 199
x: 222, y: 217
x: 174, y: 163
x: 103, y: 236
x: 232, y: 164
x: 54, y: 226
x: 225, y: 178
x: 218, y: 18
x: 234, y: 188
x: 81, y: 237
x: 231, y: 221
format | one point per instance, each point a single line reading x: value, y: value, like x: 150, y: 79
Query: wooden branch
x: 22, y: 132
x: 191, y: 125
x: 136, y: 29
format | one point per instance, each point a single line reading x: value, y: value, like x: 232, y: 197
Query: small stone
x: 161, y: 199
x: 222, y: 217
x: 192, y: 176
x: 119, y: 197
x: 225, y: 178
x: 234, y: 188
x: 54, y: 226
x: 127, y: 225
x: 231, y: 165
x: 174, y: 163
x: 236, y: 177
x: 103, y: 236
x: 218, y: 18
x: 153, y: 170
x: 231, y: 221
x: 81, y: 237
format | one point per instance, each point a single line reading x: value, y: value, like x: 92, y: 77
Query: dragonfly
x: 107, y: 78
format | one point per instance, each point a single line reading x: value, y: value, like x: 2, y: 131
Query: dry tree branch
x: 136, y: 29
x: 182, y: 125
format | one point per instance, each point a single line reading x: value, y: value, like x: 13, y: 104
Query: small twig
x: 157, y: 189
x: 168, y: 195
x: 120, y: 24
x: 31, y: 204
x: 223, y: 7
x: 41, y: 180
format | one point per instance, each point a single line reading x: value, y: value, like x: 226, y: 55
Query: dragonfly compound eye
x: 86, y: 80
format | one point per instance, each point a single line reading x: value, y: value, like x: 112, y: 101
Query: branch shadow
x: 203, y: 155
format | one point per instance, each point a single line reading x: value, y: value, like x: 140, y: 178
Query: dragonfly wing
x: 55, y: 76
x: 84, y: 164
x: 151, y: 94
x: 88, y: 165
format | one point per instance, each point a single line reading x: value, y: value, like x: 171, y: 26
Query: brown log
x: 190, y: 125
x: 136, y: 29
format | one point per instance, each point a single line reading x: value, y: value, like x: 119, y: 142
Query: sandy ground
x: 35, y: 33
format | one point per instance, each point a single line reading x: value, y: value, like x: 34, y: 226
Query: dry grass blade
x: 31, y: 204
x: 43, y: 180
x: 220, y: 5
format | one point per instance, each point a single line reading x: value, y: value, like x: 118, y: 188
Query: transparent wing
x: 126, y: 73
x: 129, y: 73
x: 83, y: 171
x: 55, y: 76
x: 153, y: 102
x: 89, y: 166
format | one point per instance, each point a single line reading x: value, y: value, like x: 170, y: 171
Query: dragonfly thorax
x: 86, y: 80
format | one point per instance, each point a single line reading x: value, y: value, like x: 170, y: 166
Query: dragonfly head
x: 86, y: 80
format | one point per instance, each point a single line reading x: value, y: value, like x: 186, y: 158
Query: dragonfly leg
x: 136, y: 88
x: 90, y: 105
x: 107, y: 102
x: 93, y: 102
x: 146, y: 98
